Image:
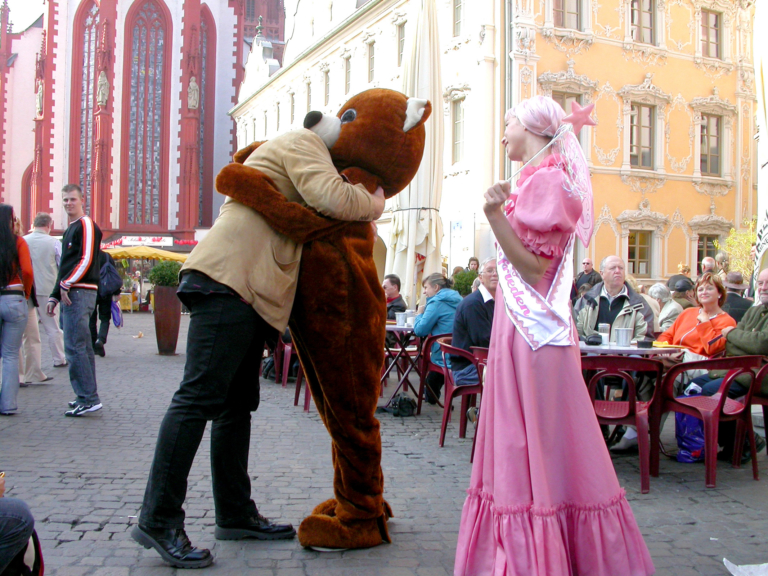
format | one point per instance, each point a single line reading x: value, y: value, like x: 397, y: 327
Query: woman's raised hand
x: 495, y: 197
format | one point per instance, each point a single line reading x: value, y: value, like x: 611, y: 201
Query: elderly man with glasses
x: 588, y: 275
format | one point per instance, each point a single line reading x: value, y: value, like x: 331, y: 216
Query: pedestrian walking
x: 16, y: 279
x: 46, y: 256
x: 76, y: 287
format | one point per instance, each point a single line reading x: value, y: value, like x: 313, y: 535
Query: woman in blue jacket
x: 437, y: 318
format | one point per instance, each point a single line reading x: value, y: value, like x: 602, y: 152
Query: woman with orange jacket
x: 16, y: 278
x: 700, y: 328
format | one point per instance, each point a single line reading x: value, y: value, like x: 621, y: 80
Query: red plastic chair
x: 481, y: 354
x: 307, y: 393
x: 630, y: 411
x: 468, y: 393
x: 712, y: 410
x: 757, y: 399
x: 289, y: 353
x: 426, y: 366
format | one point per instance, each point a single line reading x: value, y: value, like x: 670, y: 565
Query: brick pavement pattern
x: 84, y: 479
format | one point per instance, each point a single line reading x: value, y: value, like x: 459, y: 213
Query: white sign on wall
x: 147, y: 241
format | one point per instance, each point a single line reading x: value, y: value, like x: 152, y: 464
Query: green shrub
x: 462, y: 281
x: 165, y: 273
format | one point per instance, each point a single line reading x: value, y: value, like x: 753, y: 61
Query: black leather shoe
x: 255, y: 527
x: 173, y: 546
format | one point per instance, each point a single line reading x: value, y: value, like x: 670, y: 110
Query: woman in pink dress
x: 544, y: 499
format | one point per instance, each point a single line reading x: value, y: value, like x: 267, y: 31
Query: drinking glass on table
x: 605, y: 333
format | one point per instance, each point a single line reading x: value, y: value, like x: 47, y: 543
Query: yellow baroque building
x: 673, y: 153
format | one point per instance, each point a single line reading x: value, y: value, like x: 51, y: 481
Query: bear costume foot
x: 328, y: 508
x: 329, y: 534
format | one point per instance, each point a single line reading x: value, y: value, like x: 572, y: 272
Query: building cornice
x: 339, y: 30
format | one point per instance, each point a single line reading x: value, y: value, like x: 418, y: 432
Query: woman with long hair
x: 543, y: 498
x: 16, y: 278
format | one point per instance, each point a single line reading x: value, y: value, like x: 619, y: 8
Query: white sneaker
x: 625, y: 445
x: 81, y: 409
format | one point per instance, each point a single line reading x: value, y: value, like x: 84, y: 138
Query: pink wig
x: 540, y: 115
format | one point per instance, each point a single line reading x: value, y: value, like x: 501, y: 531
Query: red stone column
x: 101, y: 174
x: 189, y: 142
x: 39, y: 184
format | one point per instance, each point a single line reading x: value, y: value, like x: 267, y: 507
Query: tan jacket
x: 242, y: 251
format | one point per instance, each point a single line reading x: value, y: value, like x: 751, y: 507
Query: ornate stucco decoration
x: 457, y: 42
x: 712, y: 187
x: 680, y: 45
x: 605, y: 217
x: 677, y: 221
x: 368, y: 37
x: 453, y: 93
x: 345, y: 54
x: 679, y: 165
x: 608, y: 157
x: 568, y: 40
x: 711, y: 224
x: 644, y: 53
x: 193, y: 94
x: 716, y: 67
x: 456, y: 92
x: 567, y: 81
x: 398, y: 19
x: 649, y: 54
x: 324, y: 66
x: 645, y: 93
x: 713, y: 105
x: 307, y: 77
x: 455, y: 173
x: 642, y: 219
x: 606, y: 30
x: 525, y: 41
x: 647, y: 183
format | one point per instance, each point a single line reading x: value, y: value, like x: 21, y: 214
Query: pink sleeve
x: 544, y: 214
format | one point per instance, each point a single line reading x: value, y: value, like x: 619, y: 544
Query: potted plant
x: 165, y: 278
x: 462, y: 282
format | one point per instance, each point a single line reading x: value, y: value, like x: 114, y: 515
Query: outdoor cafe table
x: 403, y: 335
x: 626, y: 350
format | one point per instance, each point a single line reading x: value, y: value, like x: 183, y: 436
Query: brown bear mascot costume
x: 377, y: 139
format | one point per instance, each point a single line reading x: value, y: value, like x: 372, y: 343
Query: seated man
x: 683, y: 294
x: 588, y: 276
x: 749, y: 337
x: 735, y: 305
x: 472, y: 323
x: 395, y: 302
x: 613, y: 302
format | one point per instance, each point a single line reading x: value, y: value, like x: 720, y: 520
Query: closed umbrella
x: 417, y: 230
x: 761, y: 81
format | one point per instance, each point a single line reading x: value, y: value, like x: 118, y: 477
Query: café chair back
x: 307, y: 393
x: 757, y: 398
x: 631, y: 411
x: 481, y: 354
x: 713, y: 409
x: 426, y: 366
x: 468, y: 393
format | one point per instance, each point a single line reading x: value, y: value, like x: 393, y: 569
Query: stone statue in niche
x: 39, y: 99
x: 193, y: 94
x: 102, y: 89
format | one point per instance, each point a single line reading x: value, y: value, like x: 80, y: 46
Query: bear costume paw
x: 329, y: 534
x: 328, y: 508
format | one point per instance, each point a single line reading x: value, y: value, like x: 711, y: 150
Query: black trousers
x: 221, y: 383
x: 102, y: 311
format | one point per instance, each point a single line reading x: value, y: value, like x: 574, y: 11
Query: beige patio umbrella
x: 417, y: 230
x: 761, y: 81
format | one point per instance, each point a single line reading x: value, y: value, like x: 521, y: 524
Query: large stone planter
x: 167, y: 319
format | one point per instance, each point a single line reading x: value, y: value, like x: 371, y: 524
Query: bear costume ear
x: 416, y: 112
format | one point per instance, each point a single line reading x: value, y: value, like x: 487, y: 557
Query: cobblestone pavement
x: 84, y: 479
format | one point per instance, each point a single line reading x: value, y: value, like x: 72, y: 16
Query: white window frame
x: 451, y: 95
x: 585, y: 15
x: 659, y: 26
x: 728, y: 12
x: 644, y: 220
x: 714, y: 106
x: 646, y: 94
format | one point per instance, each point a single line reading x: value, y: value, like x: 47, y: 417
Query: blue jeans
x: 77, y: 344
x: 16, y: 525
x: 467, y: 376
x: 13, y: 321
x: 710, y: 387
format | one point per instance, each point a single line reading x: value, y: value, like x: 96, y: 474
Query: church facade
x: 129, y: 100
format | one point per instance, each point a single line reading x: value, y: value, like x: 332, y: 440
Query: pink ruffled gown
x: 544, y: 499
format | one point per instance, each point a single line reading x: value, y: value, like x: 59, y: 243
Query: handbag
x: 117, y: 315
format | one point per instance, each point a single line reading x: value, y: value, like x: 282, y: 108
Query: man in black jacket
x: 588, y: 275
x: 395, y: 302
x: 735, y: 305
x: 472, y: 323
x: 76, y: 287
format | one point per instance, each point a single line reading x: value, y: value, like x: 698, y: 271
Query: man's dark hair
x: 72, y: 188
x: 42, y: 219
x: 394, y: 279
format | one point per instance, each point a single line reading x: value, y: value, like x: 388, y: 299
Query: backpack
x: 28, y: 562
x: 401, y: 405
x: 110, y: 282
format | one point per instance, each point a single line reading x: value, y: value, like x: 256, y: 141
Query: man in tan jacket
x: 239, y: 284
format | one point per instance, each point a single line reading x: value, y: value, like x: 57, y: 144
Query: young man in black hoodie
x: 76, y: 288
